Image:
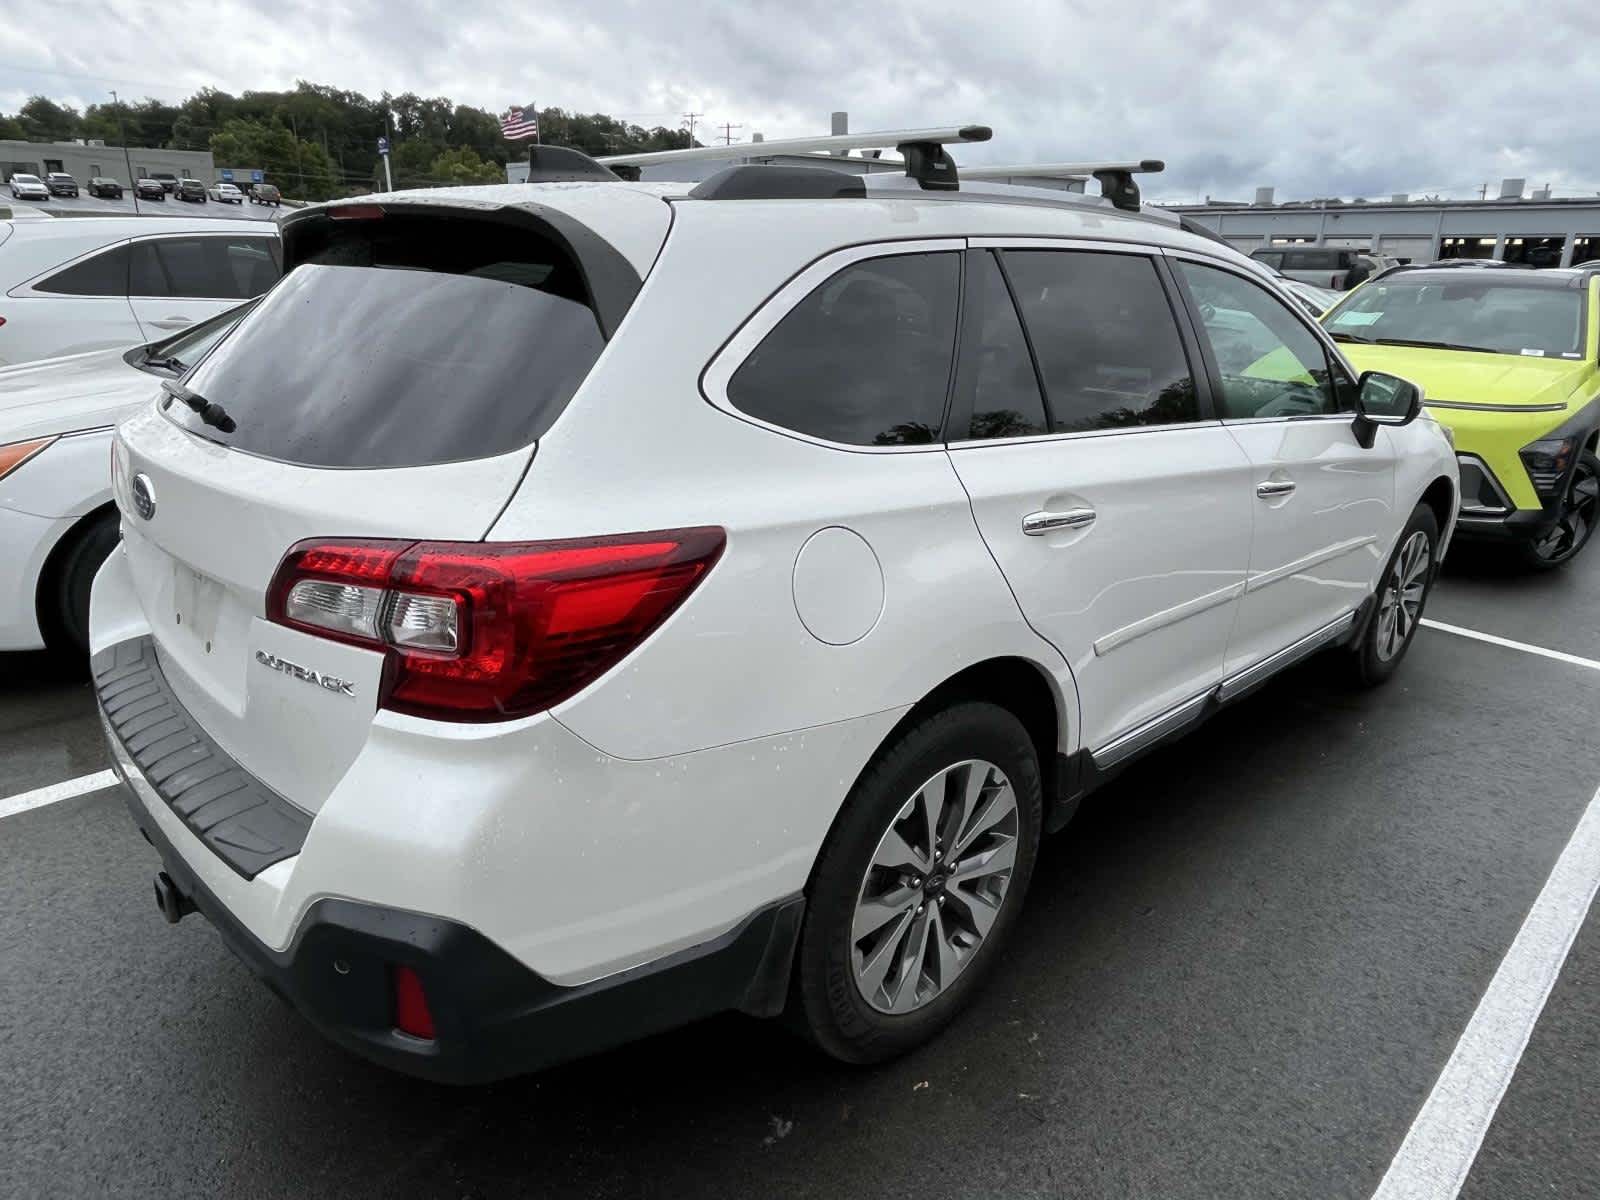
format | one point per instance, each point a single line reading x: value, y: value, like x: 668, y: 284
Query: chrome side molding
x: 1236, y: 685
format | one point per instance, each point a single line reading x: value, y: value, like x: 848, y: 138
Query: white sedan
x: 57, y: 522
x: 226, y: 193
x: 28, y: 187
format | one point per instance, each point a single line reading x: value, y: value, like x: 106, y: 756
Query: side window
x: 208, y: 268
x: 1272, y: 258
x: 996, y: 373
x: 864, y: 359
x: 106, y: 274
x: 1271, y: 364
x: 1105, y: 337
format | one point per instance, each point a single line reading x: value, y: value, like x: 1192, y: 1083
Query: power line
x: 727, y: 133
x: 691, y: 118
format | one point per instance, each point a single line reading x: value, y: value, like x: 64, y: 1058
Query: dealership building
x: 84, y: 160
x: 1514, y: 226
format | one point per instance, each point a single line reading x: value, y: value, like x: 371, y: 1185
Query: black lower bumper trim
x: 493, y: 1017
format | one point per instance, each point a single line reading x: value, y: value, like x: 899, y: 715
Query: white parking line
x: 12, y: 805
x: 1445, y: 1138
x: 1525, y: 647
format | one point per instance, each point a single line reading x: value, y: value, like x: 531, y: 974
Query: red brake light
x: 483, y: 631
x: 411, y: 1012
x: 356, y: 212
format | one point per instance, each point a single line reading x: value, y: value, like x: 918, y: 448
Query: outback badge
x: 331, y: 683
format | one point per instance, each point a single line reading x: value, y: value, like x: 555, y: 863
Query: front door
x: 1318, y: 496
x: 1116, y: 508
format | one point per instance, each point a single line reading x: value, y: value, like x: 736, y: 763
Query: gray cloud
x: 1345, y: 98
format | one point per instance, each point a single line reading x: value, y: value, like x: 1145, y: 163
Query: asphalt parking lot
x: 1241, y: 972
x: 86, y: 205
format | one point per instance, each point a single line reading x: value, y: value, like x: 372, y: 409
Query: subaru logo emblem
x: 144, y: 496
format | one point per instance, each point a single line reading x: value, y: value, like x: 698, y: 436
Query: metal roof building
x: 1539, y: 230
x: 85, y: 160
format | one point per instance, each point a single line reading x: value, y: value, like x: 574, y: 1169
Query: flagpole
x: 538, y: 129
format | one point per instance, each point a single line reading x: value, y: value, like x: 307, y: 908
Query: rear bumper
x: 493, y: 1017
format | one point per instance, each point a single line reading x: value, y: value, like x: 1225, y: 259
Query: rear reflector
x: 411, y: 1012
x: 483, y: 631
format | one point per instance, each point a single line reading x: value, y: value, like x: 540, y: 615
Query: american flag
x: 516, y: 125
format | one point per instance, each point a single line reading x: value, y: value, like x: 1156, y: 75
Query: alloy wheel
x: 1404, y: 591
x: 934, y: 886
x: 1578, y: 510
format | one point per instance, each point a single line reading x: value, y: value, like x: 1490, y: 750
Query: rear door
x: 1115, y: 505
x: 381, y: 391
x: 1320, y: 499
x: 176, y: 280
x: 79, y: 305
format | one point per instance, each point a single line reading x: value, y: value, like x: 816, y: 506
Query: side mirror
x: 1384, y: 399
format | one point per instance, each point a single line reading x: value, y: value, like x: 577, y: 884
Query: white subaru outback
x: 558, y: 612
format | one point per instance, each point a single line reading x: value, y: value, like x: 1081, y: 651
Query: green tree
x: 462, y: 166
x: 303, y: 169
x: 43, y: 120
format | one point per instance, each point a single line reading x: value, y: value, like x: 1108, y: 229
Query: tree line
x: 318, y: 142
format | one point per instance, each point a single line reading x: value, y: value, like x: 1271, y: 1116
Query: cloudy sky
x: 1345, y: 97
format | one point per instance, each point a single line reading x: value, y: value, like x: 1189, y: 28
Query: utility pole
x: 691, y: 118
x: 299, y: 170
x: 122, y: 135
x: 1483, y: 192
x: 727, y: 133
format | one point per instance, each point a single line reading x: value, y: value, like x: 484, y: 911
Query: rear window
x: 404, y: 342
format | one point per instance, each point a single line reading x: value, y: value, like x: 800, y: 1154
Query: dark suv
x: 266, y: 193
x: 61, y: 184
x: 109, y: 189
x: 190, y: 189
x: 1333, y: 267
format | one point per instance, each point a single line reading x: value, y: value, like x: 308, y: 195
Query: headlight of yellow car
x: 17, y: 453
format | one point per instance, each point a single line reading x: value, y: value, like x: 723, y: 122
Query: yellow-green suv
x: 1509, y: 361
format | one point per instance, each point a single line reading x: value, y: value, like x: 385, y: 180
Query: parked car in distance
x: 109, y: 189
x: 192, y: 190
x: 1333, y: 267
x: 225, y: 193
x: 265, y: 193
x: 61, y: 184
x: 57, y: 523
x: 1315, y: 300
x: 28, y: 187
x: 1004, y: 506
x: 1484, y: 264
x: 150, y: 189
x: 167, y: 180
x: 98, y: 282
x: 1510, y: 362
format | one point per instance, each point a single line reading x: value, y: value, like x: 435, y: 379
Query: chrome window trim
x: 1472, y: 406
x: 1035, y: 242
x: 720, y: 370
x: 1075, y: 434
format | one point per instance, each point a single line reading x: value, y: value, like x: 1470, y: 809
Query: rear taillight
x: 483, y: 631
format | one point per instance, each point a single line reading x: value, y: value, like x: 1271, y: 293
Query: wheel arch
x: 1440, y: 496
x: 50, y: 571
x: 1022, y: 687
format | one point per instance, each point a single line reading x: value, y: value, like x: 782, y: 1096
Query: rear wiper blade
x: 211, y: 414
x: 170, y: 363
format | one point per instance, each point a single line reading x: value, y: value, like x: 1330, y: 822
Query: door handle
x: 1275, y: 487
x: 173, y: 322
x: 1036, y: 524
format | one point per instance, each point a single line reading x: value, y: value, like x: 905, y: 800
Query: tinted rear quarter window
x: 1105, y: 337
x: 997, y: 384
x: 405, y: 342
x: 864, y: 359
x: 105, y: 274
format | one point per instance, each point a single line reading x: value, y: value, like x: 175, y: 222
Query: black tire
x: 1580, y: 512
x: 64, y: 603
x: 1377, y: 655
x: 828, y: 1004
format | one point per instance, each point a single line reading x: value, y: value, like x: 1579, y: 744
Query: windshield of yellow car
x: 1498, y: 316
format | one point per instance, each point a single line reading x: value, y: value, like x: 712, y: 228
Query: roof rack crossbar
x: 926, y: 159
